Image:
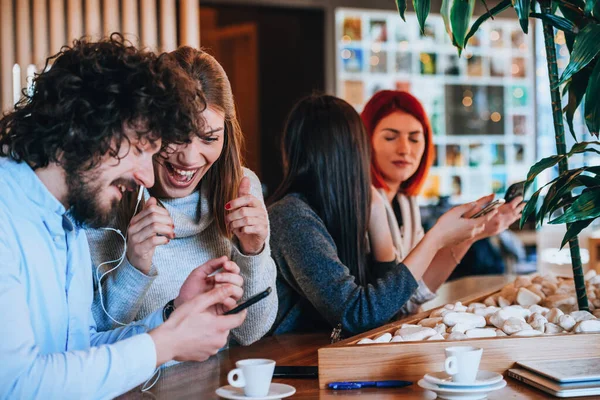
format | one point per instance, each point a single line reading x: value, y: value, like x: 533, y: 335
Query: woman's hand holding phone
x: 507, y: 214
x: 456, y: 225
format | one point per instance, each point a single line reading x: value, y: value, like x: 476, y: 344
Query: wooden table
x: 200, y: 380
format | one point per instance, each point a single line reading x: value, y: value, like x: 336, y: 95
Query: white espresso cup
x: 254, y: 375
x: 462, y: 363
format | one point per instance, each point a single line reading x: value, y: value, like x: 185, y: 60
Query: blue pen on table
x: 367, y: 384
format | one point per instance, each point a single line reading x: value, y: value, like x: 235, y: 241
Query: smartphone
x: 252, y: 300
x: 515, y: 190
x: 295, y: 372
x: 489, y: 208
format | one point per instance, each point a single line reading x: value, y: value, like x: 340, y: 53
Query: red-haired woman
x: 402, y: 153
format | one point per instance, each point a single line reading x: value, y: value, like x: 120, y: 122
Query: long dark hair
x: 326, y: 159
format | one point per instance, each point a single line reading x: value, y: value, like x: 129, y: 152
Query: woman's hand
x: 507, y: 214
x: 248, y: 220
x: 150, y: 228
x: 456, y: 226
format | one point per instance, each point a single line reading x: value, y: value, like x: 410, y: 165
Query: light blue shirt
x: 49, y: 346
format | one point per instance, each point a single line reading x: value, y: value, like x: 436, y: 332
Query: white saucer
x: 276, y: 391
x: 461, y: 393
x: 443, y: 380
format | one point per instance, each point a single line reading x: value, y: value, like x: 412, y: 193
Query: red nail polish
x: 227, y: 206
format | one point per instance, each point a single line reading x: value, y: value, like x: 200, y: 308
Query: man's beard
x: 84, y: 190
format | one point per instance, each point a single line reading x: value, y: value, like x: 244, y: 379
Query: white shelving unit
x: 481, y: 105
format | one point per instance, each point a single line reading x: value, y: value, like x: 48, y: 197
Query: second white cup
x: 462, y: 363
x: 254, y: 375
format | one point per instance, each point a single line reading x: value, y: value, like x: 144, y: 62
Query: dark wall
x: 291, y: 65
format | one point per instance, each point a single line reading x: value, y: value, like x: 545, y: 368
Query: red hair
x: 382, y: 104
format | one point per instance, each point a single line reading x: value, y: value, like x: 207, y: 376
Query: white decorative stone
x: 430, y: 322
x: 514, y: 325
x: 566, y: 322
x: 587, y: 326
x: 485, y: 312
x: 481, y: 332
x: 500, y: 333
x: 539, y: 309
x: 590, y: 274
x: 527, y: 332
x: 491, y: 301
x: 396, y: 338
x: 436, y: 337
x: 526, y: 297
x: 366, y: 341
x: 440, y: 328
x: 415, y: 333
x: 582, y: 315
x: 502, y: 302
x: 475, y: 306
x: 464, y: 318
x: 456, y: 336
x: 554, y: 314
x: 522, y: 281
x: 538, y: 322
x: 517, y: 311
x: 499, y: 318
x: 385, y: 338
x: 509, y: 293
x: 552, y: 329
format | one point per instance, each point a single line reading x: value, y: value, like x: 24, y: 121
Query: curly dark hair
x: 88, y: 93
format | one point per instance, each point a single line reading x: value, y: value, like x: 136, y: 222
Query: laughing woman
x: 203, y: 206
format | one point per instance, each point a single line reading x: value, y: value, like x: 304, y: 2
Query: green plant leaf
x: 461, y: 12
x: 540, y: 166
x: 445, y: 12
x: 401, y: 4
x: 592, y: 103
x: 563, y: 186
x: 422, y: 8
x: 503, y: 5
x: 584, y: 207
x: 585, y: 48
x: 582, y: 147
x: 577, y: 86
x: 522, y: 9
x: 558, y: 22
x: 529, y: 208
x: 574, y: 229
x: 589, y: 7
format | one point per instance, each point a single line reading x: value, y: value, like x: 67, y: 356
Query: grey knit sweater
x: 316, y: 290
x: 131, y: 295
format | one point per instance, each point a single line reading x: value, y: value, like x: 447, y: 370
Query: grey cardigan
x: 315, y: 289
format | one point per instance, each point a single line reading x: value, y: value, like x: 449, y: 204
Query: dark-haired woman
x: 402, y: 144
x: 330, y: 236
x: 203, y: 206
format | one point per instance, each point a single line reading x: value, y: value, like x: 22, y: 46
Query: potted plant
x: 575, y: 191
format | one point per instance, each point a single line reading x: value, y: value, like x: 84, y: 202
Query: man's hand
x: 199, y: 282
x: 194, y: 331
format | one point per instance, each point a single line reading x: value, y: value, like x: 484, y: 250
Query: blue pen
x: 367, y: 384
